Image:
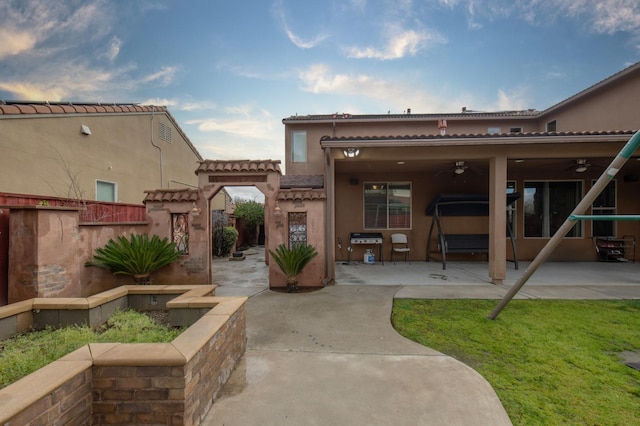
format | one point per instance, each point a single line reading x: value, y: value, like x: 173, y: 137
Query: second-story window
x: 298, y: 146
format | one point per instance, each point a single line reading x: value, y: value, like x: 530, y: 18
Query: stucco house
x: 104, y: 152
x: 375, y: 175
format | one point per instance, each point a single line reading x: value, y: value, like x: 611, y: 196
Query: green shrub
x: 292, y: 261
x: 224, y: 240
x: 138, y: 256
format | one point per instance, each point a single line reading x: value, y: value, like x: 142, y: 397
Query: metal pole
x: 588, y: 199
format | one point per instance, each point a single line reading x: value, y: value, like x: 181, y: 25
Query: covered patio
x: 561, y: 280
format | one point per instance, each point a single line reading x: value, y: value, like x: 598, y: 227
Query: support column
x: 498, y: 219
x: 330, y: 229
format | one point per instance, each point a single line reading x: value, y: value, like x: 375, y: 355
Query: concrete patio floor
x: 332, y: 356
x: 461, y: 280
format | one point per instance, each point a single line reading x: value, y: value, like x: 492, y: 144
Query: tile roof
x: 171, y: 195
x: 239, y: 166
x: 302, y: 181
x: 474, y: 136
x: 301, y: 195
x: 466, y: 114
x: 18, y: 108
x: 11, y: 109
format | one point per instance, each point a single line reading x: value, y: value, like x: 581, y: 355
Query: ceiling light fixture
x: 351, y: 152
x: 581, y: 166
x: 460, y: 167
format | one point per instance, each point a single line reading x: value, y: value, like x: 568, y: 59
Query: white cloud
x: 279, y: 13
x: 396, y: 95
x: 597, y: 16
x: 617, y: 15
x: 247, y: 128
x: 14, y: 42
x: 510, y: 101
x: 165, y: 76
x: 400, y: 42
x: 160, y: 102
x: 29, y: 91
x: 197, y: 105
x: 114, y: 48
x: 243, y: 121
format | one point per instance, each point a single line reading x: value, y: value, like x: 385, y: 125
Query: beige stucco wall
x: 612, y: 108
x: 41, y: 154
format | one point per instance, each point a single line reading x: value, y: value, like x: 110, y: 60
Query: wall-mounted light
x: 351, y: 152
x: 195, y: 211
x: 85, y: 130
x: 277, y: 211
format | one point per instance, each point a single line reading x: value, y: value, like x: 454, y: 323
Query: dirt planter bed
x: 137, y: 383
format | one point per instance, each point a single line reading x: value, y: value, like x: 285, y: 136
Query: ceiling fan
x: 581, y: 165
x: 460, y: 167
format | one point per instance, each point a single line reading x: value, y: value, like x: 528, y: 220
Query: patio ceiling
x: 557, y: 167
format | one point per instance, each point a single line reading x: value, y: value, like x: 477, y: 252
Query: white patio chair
x: 399, y: 244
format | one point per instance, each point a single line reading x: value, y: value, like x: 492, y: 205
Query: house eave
x: 471, y: 141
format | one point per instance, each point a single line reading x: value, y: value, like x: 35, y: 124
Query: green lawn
x: 550, y: 361
x: 25, y: 353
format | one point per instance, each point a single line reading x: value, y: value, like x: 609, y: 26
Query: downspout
x: 153, y: 112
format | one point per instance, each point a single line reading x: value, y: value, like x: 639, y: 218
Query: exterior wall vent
x: 164, y: 132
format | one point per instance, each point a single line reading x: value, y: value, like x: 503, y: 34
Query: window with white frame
x: 387, y: 205
x: 604, y: 204
x: 552, y: 126
x: 548, y: 204
x: 106, y: 191
x: 298, y: 146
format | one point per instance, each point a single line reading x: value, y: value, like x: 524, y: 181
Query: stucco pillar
x: 498, y: 219
x: 43, y: 253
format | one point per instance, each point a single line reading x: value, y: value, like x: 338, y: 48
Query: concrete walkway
x: 331, y: 357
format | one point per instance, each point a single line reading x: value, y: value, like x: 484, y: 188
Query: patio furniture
x: 463, y: 205
x: 399, y: 244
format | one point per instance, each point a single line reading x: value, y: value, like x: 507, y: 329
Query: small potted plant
x: 138, y: 256
x: 292, y: 261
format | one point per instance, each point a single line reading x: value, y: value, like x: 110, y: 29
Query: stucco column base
x: 497, y: 281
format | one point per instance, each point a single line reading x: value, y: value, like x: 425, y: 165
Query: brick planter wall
x: 139, y: 383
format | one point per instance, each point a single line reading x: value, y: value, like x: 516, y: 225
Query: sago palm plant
x: 138, y: 256
x: 292, y: 261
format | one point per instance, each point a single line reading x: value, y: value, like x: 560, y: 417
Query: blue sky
x: 229, y: 71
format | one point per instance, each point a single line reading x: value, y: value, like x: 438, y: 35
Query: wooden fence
x: 93, y: 211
